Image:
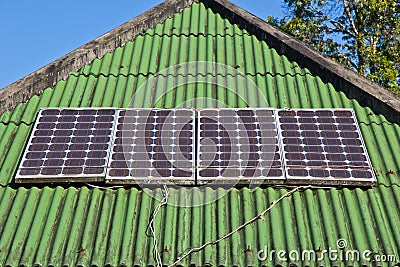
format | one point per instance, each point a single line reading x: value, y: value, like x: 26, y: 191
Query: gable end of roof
x: 368, y: 93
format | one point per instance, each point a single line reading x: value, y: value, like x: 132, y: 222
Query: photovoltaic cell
x: 324, y: 147
x: 153, y: 146
x: 68, y: 145
x: 238, y: 145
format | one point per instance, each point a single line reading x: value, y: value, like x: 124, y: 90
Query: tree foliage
x: 361, y: 34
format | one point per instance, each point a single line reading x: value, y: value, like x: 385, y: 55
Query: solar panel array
x: 68, y: 145
x: 239, y: 145
x: 147, y: 146
x: 323, y: 146
x: 153, y: 145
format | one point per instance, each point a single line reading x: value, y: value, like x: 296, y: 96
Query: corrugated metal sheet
x: 91, y: 227
x: 86, y: 227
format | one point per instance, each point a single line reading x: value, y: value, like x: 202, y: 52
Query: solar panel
x: 68, y: 145
x: 238, y: 146
x: 324, y: 147
x: 153, y: 146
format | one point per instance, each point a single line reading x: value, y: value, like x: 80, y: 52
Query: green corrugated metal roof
x: 82, y: 226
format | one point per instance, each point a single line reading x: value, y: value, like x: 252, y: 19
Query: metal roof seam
x: 376, y: 123
x: 276, y: 74
x: 17, y: 123
x: 195, y: 34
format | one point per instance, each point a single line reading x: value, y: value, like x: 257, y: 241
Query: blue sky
x: 35, y: 33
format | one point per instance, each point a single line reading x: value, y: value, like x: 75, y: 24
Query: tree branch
x: 351, y: 20
x: 337, y: 25
x: 351, y: 62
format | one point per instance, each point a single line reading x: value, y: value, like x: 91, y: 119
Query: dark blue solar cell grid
x: 153, y: 145
x: 239, y: 145
x: 69, y: 145
x: 324, y: 146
